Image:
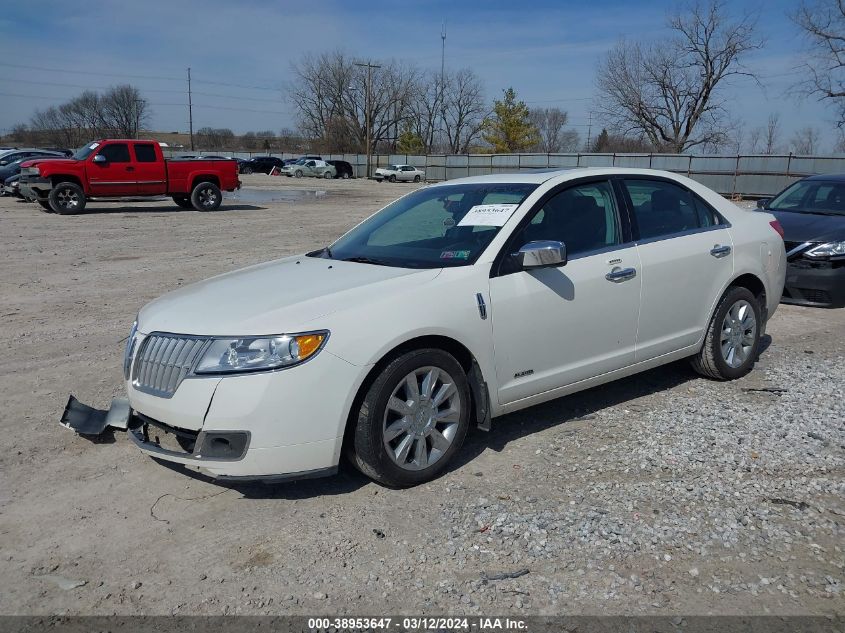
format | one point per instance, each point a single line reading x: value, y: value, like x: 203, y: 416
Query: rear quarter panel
x: 182, y: 174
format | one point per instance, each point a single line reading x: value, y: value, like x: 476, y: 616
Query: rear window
x: 145, y: 153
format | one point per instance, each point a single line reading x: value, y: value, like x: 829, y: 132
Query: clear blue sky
x: 546, y: 50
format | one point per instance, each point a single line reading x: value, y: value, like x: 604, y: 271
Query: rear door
x: 149, y: 170
x: 116, y: 175
x: 686, y: 254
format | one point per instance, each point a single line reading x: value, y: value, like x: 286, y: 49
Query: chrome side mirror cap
x: 99, y: 158
x: 542, y: 254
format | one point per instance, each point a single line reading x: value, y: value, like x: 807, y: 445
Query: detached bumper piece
x: 87, y: 420
x: 820, y: 284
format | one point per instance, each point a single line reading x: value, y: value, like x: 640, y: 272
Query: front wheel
x: 206, y: 196
x: 67, y: 198
x: 327, y: 175
x: 298, y: 173
x: 392, y: 178
x: 733, y: 336
x: 345, y: 175
x: 413, y: 419
x: 246, y: 170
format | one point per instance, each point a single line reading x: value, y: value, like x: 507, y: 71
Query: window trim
x: 635, y: 228
x: 119, y: 162
x: 622, y: 216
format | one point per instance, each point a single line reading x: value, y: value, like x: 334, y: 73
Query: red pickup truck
x: 117, y: 168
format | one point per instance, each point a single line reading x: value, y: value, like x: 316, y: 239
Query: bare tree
x: 551, y: 125
x: 123, y: 111
x: 426, y: 110
x: 464, y: 110
x: 772, y: 132
x: 805, y: 141
x: 215, y: 138
x: 823, y: 25
x: 668, y: 92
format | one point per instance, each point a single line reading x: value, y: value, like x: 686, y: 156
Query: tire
x: 345, y: 175
x: 246, y: 170
x: 206, y: 196
x: 183, y: 201
x: 327, y: 175
x: 425, y: 440
x: 417, y: 178
x: 392, y: 178
x: 298, y: 173
x: 67, y: 198
x: 45, y: 204
x: 733, y: 337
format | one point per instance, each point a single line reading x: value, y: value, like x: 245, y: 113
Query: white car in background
x: 402, y: 173
x: 455, y: 304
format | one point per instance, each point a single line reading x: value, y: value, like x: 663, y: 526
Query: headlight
x: 233, y: 355
x: 829, y: 249
x: 129, y: 350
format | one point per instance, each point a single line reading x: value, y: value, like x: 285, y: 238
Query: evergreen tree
x: 509, y: 129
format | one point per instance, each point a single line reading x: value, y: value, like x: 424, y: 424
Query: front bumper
x: 815, y: 283
x: 293, y: 421
x: 32, y: 187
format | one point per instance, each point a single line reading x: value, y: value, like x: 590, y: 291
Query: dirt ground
x: 100, y: 528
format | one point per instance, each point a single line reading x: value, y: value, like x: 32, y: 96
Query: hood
x: 29, y: 162
x: 810, y: 227
x: 282, y: 296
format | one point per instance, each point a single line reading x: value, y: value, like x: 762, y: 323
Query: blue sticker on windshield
x: 454, y: 255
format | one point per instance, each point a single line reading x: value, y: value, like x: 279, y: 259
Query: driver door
x: 553, y: 327
x: 114, y: 177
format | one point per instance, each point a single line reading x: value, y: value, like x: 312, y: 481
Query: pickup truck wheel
x: 416, y: 178
x: 327, y: 175
x: 392, y: 178
x: 413, y: 419
x: 206, y: 196
x: 183, y: 201
x: 732, y: 339
x: 67, y: 198
x: 298, y: 173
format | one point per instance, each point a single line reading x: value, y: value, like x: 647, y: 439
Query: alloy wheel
x: 67, y: 198
x: 739, y: 333
x: 208, y: 197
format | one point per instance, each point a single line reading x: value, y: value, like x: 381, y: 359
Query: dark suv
x: 261, y: 165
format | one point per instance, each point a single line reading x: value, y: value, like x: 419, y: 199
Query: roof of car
x: 542, y: 175
x: 828, y: 177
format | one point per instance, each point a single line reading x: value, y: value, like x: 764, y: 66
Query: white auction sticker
x: 488, y: 215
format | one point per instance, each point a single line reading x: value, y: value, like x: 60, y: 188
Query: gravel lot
x: 664, y: 493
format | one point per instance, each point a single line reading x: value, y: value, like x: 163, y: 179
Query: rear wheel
x: 183, y: 201
x: 246, y: 170
x: 733, y: 336
x: 413, y: 419
x: 206, y: 196
x: 345, y: 175
x: 417, y: 178
x: 67, y: 198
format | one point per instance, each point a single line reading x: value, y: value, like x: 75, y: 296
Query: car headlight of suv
x: 235, y: 355
x: 828, y: 249
x: 129, y: 350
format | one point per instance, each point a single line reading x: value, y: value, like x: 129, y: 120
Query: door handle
x: 618, y: 275
x: 720, y: 251
x: 130, y: 168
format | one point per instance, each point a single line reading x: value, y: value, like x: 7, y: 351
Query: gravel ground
x: 663, y: 493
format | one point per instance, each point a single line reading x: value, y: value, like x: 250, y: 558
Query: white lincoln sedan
x: 455, y: 304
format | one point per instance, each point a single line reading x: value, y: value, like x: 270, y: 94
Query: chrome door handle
x: 618, y: 275
x: 720, y: 251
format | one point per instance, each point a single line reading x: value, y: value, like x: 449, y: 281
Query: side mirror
x: 762, y: 203
x: 99, y: 158
x: 541, y: 254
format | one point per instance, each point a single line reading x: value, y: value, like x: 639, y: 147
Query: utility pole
x: 369, y: 68
x: 443, y: 75
x: 589, y: 130
x: 190, y: 111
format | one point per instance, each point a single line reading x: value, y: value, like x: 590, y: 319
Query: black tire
x: 206, y: 196
x: 246, y: 170
x: 345, y: 175
x: 67, y: 198
x: 710, y: 361
x: 366, y: 448
x: 392, y: 178
x: 45, y: 204
x: 298, y: 173
x: 416, y: 178
x: 183, y: 201
x: 327, y: 175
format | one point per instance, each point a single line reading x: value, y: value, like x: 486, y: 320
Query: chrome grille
x: 163, y: 361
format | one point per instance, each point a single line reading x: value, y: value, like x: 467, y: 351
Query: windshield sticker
x: 488, y: 215
x: 93, y: 146
x: 454, y: 255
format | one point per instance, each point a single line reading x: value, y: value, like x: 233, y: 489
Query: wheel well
x: 755, y: 286
x: 57, y: 179
x: 450, y: 345
x: 206, y: 178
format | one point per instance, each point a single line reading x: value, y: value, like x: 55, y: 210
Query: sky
x: 240, y: 54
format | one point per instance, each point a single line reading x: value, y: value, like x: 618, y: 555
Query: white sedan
x: 403, y: 173
x: 458, y: 303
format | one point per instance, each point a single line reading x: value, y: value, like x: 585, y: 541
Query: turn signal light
x: 308, y: 344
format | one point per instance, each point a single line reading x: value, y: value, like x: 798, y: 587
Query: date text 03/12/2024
x: 418, y: 623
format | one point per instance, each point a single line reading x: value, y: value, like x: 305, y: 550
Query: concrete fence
x: 749, y: 176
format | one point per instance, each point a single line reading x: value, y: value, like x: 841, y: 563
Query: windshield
x: 823, y: 197
x: 434, y: 227
x: 85, y: 151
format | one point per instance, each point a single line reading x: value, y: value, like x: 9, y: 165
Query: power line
x: 86, y: 72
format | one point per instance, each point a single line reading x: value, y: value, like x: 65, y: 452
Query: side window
x: 145, y: 153
x: 116, y: 153
x: 583, y: 217
x: 663, y: 208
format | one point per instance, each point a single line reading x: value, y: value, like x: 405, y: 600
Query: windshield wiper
x: 366, y: 260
